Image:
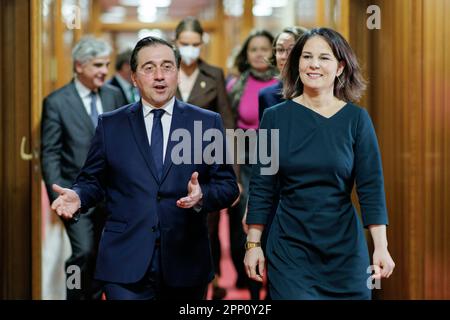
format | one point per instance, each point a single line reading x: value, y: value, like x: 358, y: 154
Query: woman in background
x: 272, y: 95
x: 282, y: 46
x: 203, y: 85
x: 255, y: 72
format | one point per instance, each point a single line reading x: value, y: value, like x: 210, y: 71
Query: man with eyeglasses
x: 155, y: 242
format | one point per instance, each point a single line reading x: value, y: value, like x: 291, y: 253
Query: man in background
x: 69, y: 119
x: 122, y: 79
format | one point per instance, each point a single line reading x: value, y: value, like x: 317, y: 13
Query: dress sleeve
x: 369, y: 173
x: 263, y: 186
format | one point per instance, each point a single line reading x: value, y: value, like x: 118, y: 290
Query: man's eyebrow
x: 153, y: 63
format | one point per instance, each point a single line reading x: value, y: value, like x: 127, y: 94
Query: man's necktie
x: 157, y: 143
x: 94, y: 112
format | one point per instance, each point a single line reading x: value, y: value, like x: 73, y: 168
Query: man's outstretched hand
x: 68, y: 202
x: 194, y: 193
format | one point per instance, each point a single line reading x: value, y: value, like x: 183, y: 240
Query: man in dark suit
x: 69, y: 117
x: 122, y: 79
x: 155, y: 241
x: 269, y: 96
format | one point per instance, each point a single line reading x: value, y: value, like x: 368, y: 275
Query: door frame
x: 36, y: 107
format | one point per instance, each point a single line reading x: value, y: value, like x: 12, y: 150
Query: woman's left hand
x: 383, y: 263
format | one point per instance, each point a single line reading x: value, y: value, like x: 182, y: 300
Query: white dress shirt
x: 187, y: 83
x: 85, y: 95
x: 166, y: 120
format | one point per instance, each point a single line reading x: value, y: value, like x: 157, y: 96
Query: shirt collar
x: 83, y: 91
x: 168, y: 107
x: 192, y: 76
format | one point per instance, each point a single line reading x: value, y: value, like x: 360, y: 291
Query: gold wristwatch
x: 250, y: 244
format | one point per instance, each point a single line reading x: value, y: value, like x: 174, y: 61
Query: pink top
x: 248, y: 106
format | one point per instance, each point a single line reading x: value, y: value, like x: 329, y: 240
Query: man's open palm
x: 67, y: 203
x: 194, y: 193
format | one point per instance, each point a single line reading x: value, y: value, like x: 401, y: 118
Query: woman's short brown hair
x: 349, y: 86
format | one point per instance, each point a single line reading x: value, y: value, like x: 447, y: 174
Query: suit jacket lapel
x: 178, y: 121
x: 137, y: 123
x: 107, y: 100
x: 74, y: 99
x: 202, y: 84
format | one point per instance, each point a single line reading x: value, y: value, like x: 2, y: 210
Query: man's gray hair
x: 89, y: 48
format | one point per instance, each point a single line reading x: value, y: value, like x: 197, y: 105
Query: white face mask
x: 189, y: 54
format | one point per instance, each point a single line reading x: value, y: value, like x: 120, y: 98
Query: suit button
x: 158, y: 197
x: 153, y: 228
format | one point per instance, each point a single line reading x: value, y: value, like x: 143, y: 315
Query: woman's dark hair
x: 241, y: 61
x: 188, y: 24
x: 295, y: 32
x: 148, y: 42
x: 349, y: 86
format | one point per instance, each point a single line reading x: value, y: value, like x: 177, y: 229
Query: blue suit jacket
x: 269, y: 96
x: 120, y: 168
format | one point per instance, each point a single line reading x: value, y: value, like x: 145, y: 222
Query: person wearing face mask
x: 203, y: 85
x: 200, y: 83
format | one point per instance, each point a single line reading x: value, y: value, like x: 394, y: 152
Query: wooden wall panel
x: 37, y: 76
x: 390, y: 111
x: 15, y: 226
x: 436, y: 140
x: 408, y: 99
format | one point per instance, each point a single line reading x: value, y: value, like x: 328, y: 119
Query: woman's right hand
x: 254, y: 257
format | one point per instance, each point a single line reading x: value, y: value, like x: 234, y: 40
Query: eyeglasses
x: 150, y: 70
x: 281, y: 51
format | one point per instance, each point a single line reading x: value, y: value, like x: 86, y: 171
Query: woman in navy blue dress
x: 316, y: 247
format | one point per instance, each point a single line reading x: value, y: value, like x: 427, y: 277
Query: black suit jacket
x: 209, y: 92
x: 114, y: 82
x: 67, y: 131
x: 269, y: 96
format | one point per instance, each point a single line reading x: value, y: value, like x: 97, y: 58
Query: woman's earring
x: 341, y: 83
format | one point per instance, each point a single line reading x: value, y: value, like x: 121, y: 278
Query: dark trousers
x: 152, y: 287
x: 84, y: 236
x: 213, y: 230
